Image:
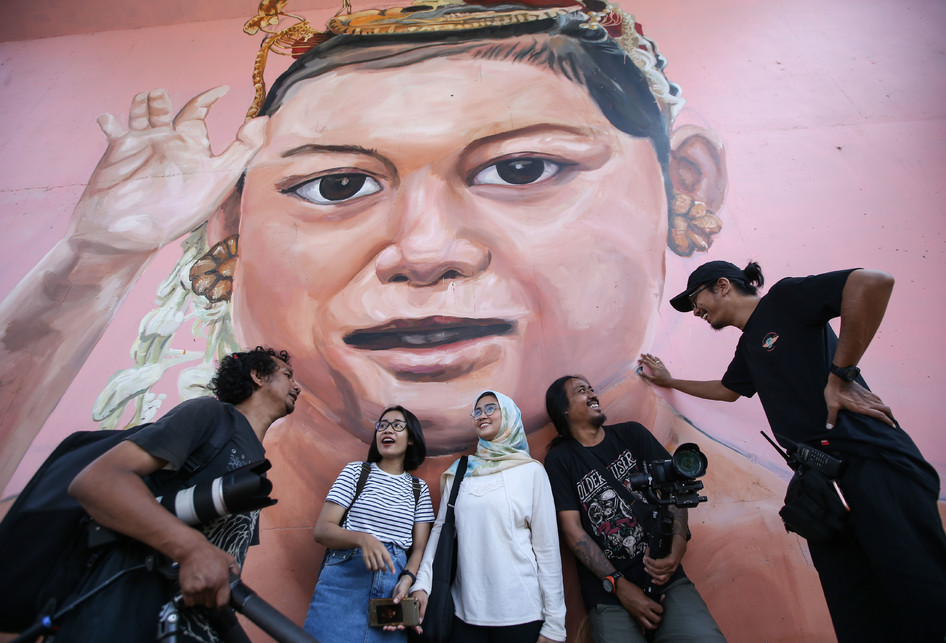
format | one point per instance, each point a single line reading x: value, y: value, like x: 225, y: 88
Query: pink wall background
x: 833, y: 116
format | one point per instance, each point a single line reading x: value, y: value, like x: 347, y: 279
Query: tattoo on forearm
x: 590, y: 555
x: 680, y: 521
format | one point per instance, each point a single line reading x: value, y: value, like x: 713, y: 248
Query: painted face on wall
x: 414, y: 235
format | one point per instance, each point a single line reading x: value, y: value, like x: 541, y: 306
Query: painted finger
x: 138, y: 113
x: 198, y: 107
x: 110, y: 126
x: 159, y: 108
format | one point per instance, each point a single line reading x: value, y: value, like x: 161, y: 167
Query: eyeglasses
x: 489, y: 409
x: 397, y: 425
x: 696, y: 292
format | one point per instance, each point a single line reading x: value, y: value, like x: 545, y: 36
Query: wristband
x: 407, y: 572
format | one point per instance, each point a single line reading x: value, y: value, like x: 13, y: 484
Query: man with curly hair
x: 253, y: 389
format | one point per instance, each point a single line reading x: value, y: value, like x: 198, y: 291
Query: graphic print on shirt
x: 618, y: 531
x: 232, y: 533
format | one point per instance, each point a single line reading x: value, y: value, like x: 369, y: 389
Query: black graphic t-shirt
x: 126, y: 609
x: 620, y: 529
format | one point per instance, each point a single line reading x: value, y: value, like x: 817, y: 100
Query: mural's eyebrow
x: 313, y: 148
x: 537, y: 130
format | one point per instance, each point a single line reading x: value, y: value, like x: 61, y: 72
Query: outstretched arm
x: 111, y: 489
x: 656, y: 372
x: 645, y: 611
x: 863, y: 304
x: 156, y: 181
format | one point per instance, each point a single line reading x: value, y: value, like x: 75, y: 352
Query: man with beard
x: 884, y: 572
x: 253, y: 389
x: 589, y: 465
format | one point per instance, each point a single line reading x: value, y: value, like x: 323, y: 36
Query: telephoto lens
x: 241, y: 490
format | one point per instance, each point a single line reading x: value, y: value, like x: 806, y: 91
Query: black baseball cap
x: 708, y: 272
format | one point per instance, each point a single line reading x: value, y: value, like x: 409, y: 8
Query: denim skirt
x: 338, y: 612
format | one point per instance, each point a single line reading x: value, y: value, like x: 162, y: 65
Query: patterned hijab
x: 507, y: 449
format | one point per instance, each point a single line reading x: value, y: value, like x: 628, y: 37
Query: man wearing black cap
x: 884, y: 574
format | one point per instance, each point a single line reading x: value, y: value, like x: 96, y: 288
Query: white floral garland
x: 153, y: 354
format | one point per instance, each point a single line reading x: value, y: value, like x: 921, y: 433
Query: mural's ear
x: 698, y: 174
x: 212, y: 275
x: 226, y: 221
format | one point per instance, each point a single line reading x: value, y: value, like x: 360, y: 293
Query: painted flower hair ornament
x: 211, y: 276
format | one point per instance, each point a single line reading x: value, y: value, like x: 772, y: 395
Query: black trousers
x: 884, y: 578
x: 462, y: 632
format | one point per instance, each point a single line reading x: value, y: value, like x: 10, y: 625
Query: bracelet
x: 407, y: 572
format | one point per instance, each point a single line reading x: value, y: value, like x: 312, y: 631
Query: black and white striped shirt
x: 385, y: 509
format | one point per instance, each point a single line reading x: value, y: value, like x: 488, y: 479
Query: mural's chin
x: 448, y: 441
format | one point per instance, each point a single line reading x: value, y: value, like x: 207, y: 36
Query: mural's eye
x: 520, y: 171
x: 335, y: 188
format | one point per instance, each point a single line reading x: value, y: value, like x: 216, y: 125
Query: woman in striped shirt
x: 374, y: 538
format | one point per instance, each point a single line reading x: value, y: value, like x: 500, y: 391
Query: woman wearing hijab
x: 508, y: 586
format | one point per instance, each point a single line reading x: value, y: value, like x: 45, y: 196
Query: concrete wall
x: 832, y: 120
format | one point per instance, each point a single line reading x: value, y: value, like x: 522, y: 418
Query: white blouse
x: 509, y: 568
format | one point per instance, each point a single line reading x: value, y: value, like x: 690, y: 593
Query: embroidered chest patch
x: 768, y: 342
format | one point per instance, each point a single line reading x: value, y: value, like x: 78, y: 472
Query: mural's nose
x: 431, y: 242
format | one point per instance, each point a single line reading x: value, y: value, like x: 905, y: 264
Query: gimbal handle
x: 245, y: 601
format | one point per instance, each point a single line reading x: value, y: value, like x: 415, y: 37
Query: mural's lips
x: 426, y: 333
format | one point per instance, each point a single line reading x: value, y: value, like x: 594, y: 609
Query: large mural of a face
x: 449, y: 245
x: 419, y: 218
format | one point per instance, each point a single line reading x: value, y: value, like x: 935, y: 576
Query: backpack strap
x: 415, y: 485
x: 359, y: 487
x: 206, y: 452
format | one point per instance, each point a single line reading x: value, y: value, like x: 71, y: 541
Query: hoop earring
x: 212, y: 275
x: 692, y: 225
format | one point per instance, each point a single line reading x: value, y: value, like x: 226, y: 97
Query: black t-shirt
x: 785, y: 354
x: 127, y: 610
x: 178, y: 434
x: 619, y: 529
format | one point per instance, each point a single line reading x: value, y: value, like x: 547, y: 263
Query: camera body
x: 384, y: 611
x: 673, y: 481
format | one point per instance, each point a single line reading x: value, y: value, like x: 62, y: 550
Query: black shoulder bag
x: 438, y: 619
x: 815, y: 507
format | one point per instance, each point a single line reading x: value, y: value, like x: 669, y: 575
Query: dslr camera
x: 669, y: 482
x: 673, y: 481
